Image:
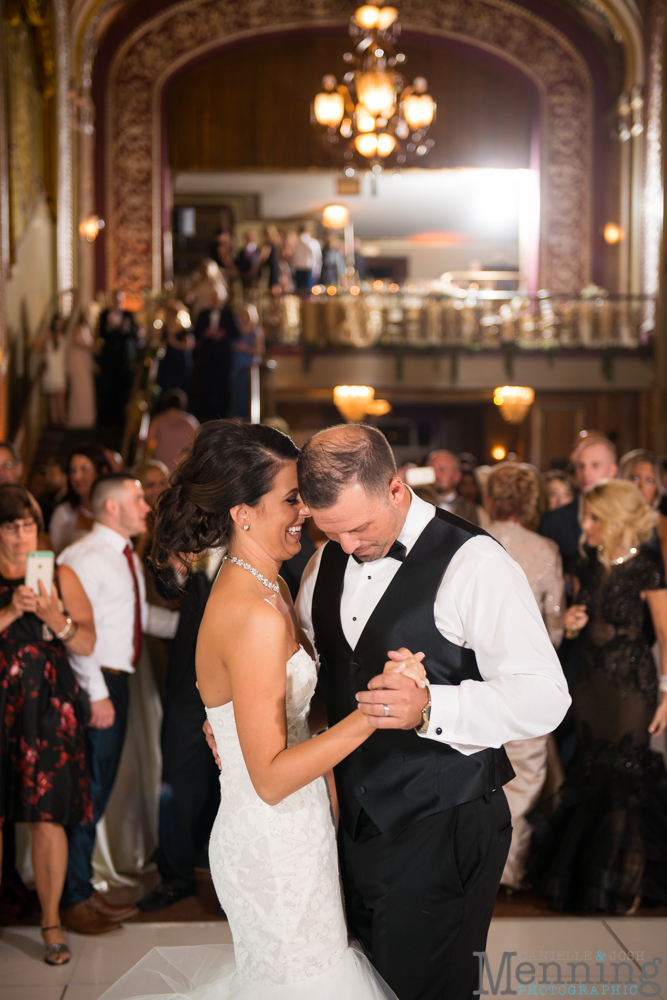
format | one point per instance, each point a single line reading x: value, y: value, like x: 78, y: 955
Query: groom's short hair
x: 341, y: 456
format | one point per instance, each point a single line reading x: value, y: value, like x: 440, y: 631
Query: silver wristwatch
x: 426, y: 715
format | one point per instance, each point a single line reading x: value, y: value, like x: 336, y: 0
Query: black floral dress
x: 43, y: 771
x: 607, y: 841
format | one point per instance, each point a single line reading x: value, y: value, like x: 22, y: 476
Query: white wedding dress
x: 275, y: 870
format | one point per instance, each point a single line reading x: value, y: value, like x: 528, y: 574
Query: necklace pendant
x: 255, y: 572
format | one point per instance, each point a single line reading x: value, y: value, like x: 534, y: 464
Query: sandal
x: 52, y: 951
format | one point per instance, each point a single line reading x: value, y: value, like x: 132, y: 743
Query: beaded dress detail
x: 607, y: 842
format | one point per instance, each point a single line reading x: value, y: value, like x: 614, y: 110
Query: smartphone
x: 39, y: 566
x: 423, y: 476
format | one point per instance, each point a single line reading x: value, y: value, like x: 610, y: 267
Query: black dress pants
x: 421, y: 904
x: 190, y: 793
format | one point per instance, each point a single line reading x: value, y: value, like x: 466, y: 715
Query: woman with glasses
x: 44, y: 779
x: 73, y: 518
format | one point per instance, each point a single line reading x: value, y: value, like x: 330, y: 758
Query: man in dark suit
x: 594, y: 460
x: 190, y: 793
x: 214, y: 332
x: 117, y: 361
x: 447, y: 466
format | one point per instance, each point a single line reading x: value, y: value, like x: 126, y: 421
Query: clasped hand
x: 401, y: 687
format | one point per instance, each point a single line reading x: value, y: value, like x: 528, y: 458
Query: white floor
x: 99, y: 961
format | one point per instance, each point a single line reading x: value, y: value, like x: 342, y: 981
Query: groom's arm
x: 304, y: 599
x: 485, y: 603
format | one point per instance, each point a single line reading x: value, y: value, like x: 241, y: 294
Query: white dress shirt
x: 483, y: 602
x: 99, y: 562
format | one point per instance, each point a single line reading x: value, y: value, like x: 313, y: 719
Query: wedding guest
x: 306, y: 261
x: 560, y: 489
x: 190, y: 786
x: 52, y: 346
x: 214, y: 334
x: 73, y: 517
x: 111, y: 576
x: 594, y: 459
x: 447, y: 477
x: 175, y: 370
x: 641, y: 468
x: 512, y: 495
x: 246, y: 261
x: 333, y: 262
x: 44, y: 779
x: 248, y: 346
x: 153, y: 476
x: 117, y: 361
x: 11, y: 466
x: 81, y: 412
x: 172, y: 430
x: 468, y: 487
x: 604, y: 849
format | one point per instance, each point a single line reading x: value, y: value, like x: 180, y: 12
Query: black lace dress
x: 43, y: 771
x: 607, y: 841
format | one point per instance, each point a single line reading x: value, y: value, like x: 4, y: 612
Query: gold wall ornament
x: 182, y: 33
x: 355, y: 402
x: 514, y: 401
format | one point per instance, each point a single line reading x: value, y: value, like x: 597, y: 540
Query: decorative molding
x: 147, y: 58
x: 653, y: 185
x: 65, y: 227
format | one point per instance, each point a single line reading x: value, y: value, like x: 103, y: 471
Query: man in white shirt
x: 112, y: 578
x: 306, y: 261
x: 425, y: 827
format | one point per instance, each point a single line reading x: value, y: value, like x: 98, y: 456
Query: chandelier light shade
x: 376, y: 91
x: 368, y: 16
x: 354, y: 402
x: 329, y: 108
x: 514, y: 401
x: 375, y: 112
x: 335, y: 217
x: 367, y: 144
x: 419, y: 110
x: 386, y: 144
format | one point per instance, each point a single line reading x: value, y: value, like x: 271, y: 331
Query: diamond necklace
x: 255, y: 572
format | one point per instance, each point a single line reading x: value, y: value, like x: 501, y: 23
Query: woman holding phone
x: 44, y: 778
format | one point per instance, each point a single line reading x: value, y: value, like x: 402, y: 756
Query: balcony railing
x: 472, y: 319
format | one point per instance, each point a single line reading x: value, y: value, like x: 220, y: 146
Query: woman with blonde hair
x: 604, y: 850
x: 513, y: 498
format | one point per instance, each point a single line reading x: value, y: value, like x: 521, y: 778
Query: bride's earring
x: 246, y: 527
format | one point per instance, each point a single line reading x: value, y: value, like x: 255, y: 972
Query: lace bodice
x: 301, y: 682
x: 293, y: 927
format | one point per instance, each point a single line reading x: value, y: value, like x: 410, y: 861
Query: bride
x: 272, y: 850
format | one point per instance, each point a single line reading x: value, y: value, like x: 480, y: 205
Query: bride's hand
x: 402, y: 661
x: 210, y: 739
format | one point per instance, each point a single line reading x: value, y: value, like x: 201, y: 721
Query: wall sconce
x: 612, y: 233
x: 514, y: 402
x: 355, y: 402
x: 90, y: 227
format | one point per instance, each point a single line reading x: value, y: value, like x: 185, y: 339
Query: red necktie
x: 127, y: 552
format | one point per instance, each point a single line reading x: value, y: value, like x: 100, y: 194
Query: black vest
x: 396, y: 777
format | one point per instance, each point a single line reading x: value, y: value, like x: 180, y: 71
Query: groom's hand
x: 210, y: 739
x: 402, y: 696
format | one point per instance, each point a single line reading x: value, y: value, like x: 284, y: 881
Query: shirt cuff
x: 90, y: 679
x: 444, y: 713
x: 161, y: 622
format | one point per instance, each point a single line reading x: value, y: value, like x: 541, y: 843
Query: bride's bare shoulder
x: 235, y: 610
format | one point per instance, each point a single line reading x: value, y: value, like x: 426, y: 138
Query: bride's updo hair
x: 227, y: 464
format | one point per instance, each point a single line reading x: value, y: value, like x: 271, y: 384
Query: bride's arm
x: 255, y: 660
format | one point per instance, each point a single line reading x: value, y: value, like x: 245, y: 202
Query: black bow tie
x: 397, y: 551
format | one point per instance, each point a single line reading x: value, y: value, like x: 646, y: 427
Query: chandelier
x: 514, y: 402
x: 374, y: 111
x: 355, y: 402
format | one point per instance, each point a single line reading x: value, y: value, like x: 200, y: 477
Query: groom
x: 425, y: 827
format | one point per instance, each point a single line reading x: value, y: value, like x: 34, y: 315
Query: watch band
x: 426, y: 715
